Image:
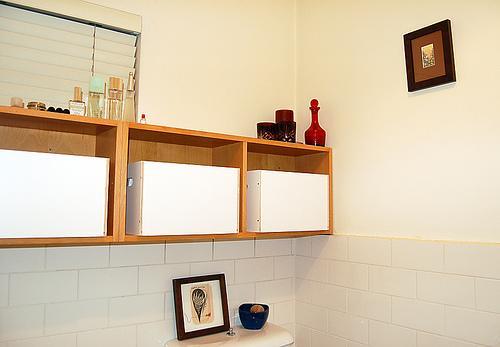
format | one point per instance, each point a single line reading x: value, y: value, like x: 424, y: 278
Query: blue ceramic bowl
x: 253, y: 321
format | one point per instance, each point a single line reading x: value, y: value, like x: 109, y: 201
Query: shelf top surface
x: 22, y: 117
x: 147, y: 132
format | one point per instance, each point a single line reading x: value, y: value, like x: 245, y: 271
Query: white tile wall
x: 122, y: 295
x: 399, y: 293
x: 332, y: 291
x: 234, y: 249
x: 75, y: 316
x: 122, y: 336
x: 136, y: 309
x: 266, y: 248
x: 43, y: 287
x: 105, y: 283
x: 47, y: 341
x: 66, y: 258
x: 4, y: 290
x: 133, y: 255
x: 379, y: 250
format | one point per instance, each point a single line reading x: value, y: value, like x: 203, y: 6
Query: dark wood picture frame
x: 447, y: 56
x: 179, y: 312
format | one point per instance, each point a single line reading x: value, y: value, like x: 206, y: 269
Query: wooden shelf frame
x: 124, y: 143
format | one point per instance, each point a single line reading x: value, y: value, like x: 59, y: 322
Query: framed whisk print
x: 200, y: 306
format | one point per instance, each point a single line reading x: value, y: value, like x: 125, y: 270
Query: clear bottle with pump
x: 77, y: 106
x: 96, y: 104
x: 115, y: 98
x: 129, y: 104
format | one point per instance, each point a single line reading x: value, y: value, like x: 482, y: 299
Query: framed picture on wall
x: 200, y: 306
x: 429, y: 56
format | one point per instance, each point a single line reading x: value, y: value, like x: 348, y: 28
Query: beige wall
x: 215, y: 65
x: 424, y: 164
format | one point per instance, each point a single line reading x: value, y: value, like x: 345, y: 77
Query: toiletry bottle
x: 143, y: 119
x: 96, y: 98
x: 115, y: 98
x: 129, y: 105
x: 77, y: 106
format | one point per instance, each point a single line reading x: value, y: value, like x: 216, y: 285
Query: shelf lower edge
x: 55, y: 241
x: 131, y: 239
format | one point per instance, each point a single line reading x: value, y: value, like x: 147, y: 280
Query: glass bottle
x: 129, y: 105
x: 315, y: 135
x: 96, y: 98
x: 115, y: 98
x: 77, y: 106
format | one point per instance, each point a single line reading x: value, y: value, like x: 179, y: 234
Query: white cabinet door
x: 52, y: 195
x: 287, y: 201
x: 182, y: 199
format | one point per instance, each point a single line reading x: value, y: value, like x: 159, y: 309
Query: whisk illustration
x: 199, y: 299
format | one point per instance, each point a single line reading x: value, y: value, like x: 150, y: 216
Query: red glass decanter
x: 315, y: 135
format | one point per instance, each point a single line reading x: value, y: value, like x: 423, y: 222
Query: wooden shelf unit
x: 125, y: 143
x: 39, y: 131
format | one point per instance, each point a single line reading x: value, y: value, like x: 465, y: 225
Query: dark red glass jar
x: 315, y: 135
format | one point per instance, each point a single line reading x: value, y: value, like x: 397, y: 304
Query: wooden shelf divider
x: 124, y: 143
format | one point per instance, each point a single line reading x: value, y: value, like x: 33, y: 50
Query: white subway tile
x: 47, y: 341
x: 311, y: 268
x: 488, y: 295
x: 21, y: 322
x: 75, y: 316
x: 472, y: 259
x: 304, y: 290
x: 347, y: 326
x: 302, y: 246
x: 136, y: 309
x: 284, y: 312
x: 418, y: 255
x: 123, y: 337
x: 388, y: 335
x: 104, y: 283
x: 158, y: 278
x: 302, y: 336
x: 22, y: 259
x: 473, y: 326
x: 430, y: 340
x: 355, y: 344
x: 284, y: 267
x: 320, y: 339
x: 130, y: 255
x: 238, y: 294
x: 274, y: 291
x: 347, y: 274
x: 418, y: 315
x: 330, y: 247
x: 189, y: 252
x: 369, y: 305
x: 311, y: 316
x: 266, y: 248
x: 329, y: 296
x: 86, y: 257
x: 370, y: 250
x: 233, y: 249
x: 254, y: 269
x: 4, y: 290
x: 214, y: 267
x: 155, y: 334
x: 393, y: 281
x: 270, y: 318
x: 446, y: 289
x: 43, y: 287
x: 169, y: 305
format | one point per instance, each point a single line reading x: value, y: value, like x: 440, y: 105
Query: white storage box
x: 52, y: 195
x: 287, y: 201
x: 181, y: 199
